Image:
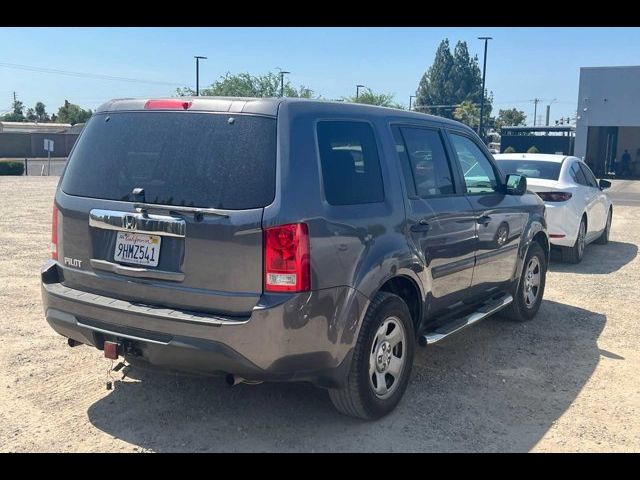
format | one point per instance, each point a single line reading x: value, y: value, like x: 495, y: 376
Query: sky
x: 522, y: 63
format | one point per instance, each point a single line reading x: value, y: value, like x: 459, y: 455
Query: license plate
x: 137, y: 248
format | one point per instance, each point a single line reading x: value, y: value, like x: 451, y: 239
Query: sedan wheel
x: 574, y: 254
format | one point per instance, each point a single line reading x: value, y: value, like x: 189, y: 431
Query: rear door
x: 440, y: 220
x: 165, y: 208
x: 586, y: 196
x: 500, y: 218
x: 599, y: 208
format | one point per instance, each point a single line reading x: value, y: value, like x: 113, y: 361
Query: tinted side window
x: 578, y: 175
x: 588, y: 174
x: 350, y: 163
x: 478, y: 173
x: 429, y: 165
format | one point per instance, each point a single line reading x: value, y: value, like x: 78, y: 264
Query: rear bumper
x: 288, y: 337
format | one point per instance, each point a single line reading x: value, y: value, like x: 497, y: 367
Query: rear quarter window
x: 350, y: 163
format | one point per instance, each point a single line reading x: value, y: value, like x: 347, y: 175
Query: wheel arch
x: 407, y: 289
x: 536, y: 231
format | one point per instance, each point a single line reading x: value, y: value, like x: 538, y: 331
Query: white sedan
x: 578, y: 210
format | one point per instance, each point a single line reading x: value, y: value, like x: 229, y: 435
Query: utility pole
x: 535, y: 109
x: 198, y: 58
x: 484, y: 71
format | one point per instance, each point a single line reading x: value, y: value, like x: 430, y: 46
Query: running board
x: 463, y: 322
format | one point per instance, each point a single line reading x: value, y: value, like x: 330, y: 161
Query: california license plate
x: 137, y: 248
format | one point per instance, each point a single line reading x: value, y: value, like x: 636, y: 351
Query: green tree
x: 511, y: 117
x: 368, y: 97
x: 247, y: 85
x: 41, y: 112
x: 18, y: 113
x: 436, y: 85
x: 468, y: 113
x: 31, y: 115
x: 71, y: 113
x: 451, y: 80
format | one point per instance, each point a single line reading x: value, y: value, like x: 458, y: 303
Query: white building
x: 608, y: 121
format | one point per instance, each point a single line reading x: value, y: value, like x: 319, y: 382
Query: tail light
x: 167, y: 105
x: 286, y: 258
x: 54, y: 233
x: 554, y: 196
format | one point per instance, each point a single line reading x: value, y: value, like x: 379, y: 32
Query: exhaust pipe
x: 232, y: 380
x: 73, y: 343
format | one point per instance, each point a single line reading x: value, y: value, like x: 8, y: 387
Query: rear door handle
x: 421, y: 226
x: 484, y: 220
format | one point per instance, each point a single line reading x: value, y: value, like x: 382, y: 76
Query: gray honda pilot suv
x: 286, y: 240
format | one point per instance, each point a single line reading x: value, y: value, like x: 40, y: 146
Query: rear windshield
x: 186, y: 159
x: 531, y: 169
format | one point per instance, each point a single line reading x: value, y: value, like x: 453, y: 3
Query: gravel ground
x: 566, y: 381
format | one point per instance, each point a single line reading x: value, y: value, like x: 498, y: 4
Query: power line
x: 85, y: 75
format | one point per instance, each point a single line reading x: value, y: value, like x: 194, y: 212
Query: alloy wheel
x: 387, y: 357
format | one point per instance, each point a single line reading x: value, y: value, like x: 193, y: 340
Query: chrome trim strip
x: 136, y: 271
x: 483, y: 312
x: 137, y: 222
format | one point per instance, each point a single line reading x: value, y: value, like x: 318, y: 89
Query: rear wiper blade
x: 197, y: 211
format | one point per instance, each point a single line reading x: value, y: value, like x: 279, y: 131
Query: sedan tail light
x: 54, y: 233
x: 554, y: 196
x: 286, y: 258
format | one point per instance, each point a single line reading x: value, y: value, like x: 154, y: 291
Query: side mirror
x: 516, y: 184
x: 604, y: 184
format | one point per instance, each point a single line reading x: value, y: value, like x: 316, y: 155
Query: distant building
x: 34, y: 127
x: 554, y: 140
x: 608, y: 120
x: 26, y: 139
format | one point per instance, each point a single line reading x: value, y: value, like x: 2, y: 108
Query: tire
x: 576, y: 253
x: 604, y: 238
x: 524, y: 307
x: 358, y: 397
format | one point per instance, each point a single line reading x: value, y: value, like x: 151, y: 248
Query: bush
x: 533, y: 149
x: 12, y: 168
x: 509, y: 150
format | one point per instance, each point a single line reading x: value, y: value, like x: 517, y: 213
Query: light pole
x: 410, y: 98
x: 198, y: 58
x: 282, y: 74
x: 358, y: 87
x: 484, y: 71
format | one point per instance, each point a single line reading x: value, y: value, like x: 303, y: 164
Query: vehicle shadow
x: 598, y: 259
x: 498, y: 386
